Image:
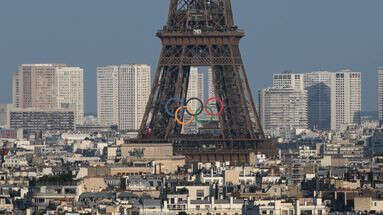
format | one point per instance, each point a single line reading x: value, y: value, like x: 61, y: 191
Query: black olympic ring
x: 198, y: 111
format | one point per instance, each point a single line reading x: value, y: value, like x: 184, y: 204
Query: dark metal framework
x: 202, y: 33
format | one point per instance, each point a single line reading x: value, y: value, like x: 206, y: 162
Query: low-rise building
x: 41, y: 120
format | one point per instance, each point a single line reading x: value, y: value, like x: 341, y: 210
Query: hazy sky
x: 297, y: 35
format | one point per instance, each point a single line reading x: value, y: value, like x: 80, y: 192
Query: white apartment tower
x: 210, y: 84
x: 196, y: 89
x: 107, y: 95
x: 320, y: 92
x: 380, y: 95
x: 70, y: 91
x: 196, y: 86
x: 133, y: 94
x: 283, y: 108
x: 347, y: 99
x: 122, y: 94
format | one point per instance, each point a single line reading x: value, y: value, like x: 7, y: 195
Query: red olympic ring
x: 220, y: 109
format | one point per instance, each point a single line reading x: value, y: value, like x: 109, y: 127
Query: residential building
x: 107, y: 95
x: 363, y: 204
x: 380, y: 95
x: 70, y: 91
x: 283, y: 108
x: 347, y: 99
x: 195, y: 90
x: 33, y: 119
x: 133, y: 93
x: 288, y: 80
x: 320, y: 92
x: 48, y: 87
x: 4, y: 115
x: 35, y: 86
x: 210, y: 84
x: 16, y: 90
x: 122, y: 93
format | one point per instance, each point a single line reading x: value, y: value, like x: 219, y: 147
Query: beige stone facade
x: 93, y: 184
x: 232, y: 176
x: 151, y: 151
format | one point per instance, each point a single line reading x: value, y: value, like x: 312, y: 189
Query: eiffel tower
x: 201, y: 33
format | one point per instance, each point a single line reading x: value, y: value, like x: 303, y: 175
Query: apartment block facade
x: 70, y: 91
x: 320, y: 94
x: 283, y: 108
x: 333, y: 98
x: 49, y: 86
x: 380, y: 95
x: 347, y: 99
x: 122, y: 94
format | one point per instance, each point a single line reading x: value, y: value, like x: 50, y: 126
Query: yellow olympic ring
x: 178, y: 120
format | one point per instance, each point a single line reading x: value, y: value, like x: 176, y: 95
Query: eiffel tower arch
x: 201, y: 33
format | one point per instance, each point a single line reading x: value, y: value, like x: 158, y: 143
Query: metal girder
x: 201, y: 33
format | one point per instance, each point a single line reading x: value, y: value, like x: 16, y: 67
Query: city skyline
x: 106, y: 119
x: 273, y: 32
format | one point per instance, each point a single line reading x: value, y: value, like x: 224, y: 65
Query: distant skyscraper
x: 35, y: 86
x: 134, y: 90
x: 4, y: 115
x: 380, y: 95
x: 288, y: 80
x: 347, y: 99
x: 49, y: 86
x: 196, y: 86
x: 16, y: 91
x: 107, y: 95
x: 283, y: 108
x: 210, y: 85
x: 333, y: 99
x: 195, y: 90
x: 122, y: 93
x: 285, y: 104
x: 70, y: 91
x: 320, y: 88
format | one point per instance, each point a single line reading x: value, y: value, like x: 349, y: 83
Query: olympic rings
x: 178, y: 120
x: 194, y: 113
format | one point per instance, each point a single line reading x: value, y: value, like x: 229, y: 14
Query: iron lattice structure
x: 202, y: 33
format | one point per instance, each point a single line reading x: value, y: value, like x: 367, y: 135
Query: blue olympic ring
x: 180, y: 101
